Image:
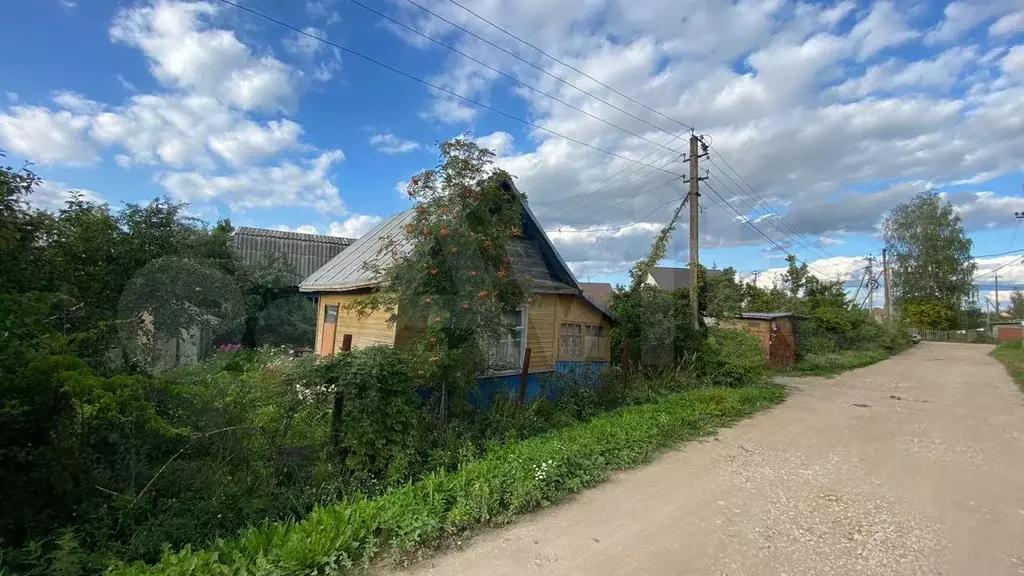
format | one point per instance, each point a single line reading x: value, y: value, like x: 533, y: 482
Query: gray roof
x: 540, y: 264
x: 768, y: 315
x: 347, y: 271
x: 672, y: 278
x: 599, y: 291
x: 305, y: 253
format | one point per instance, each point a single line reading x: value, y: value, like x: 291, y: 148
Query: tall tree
x: 794, y: 276
x: 929, y: 253
x: 1017, y: 304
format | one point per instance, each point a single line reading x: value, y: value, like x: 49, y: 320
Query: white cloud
x: 498, y: 142
x: 77, y: 103
x: 883, y: 27
x: 250, y: 141
x: 40, y: 135
x: 284, y: 184
x: 68, y: 5
x: 323, y: 9
x: 184, y: 52
x: 305, y: 45
x: 354, y: 226
x: 1007, y: 25
x: 126, y: 84
x: 51, y: 195
x: 388, y: 143
x: 12, y: 97
x: 304, y: 229
x: 962, y: 16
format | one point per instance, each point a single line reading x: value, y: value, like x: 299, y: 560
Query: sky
x: 821, y: 116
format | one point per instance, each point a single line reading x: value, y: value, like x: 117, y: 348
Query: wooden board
x: 540, y: 332
x: 367, y: 331
x: 576, y: 310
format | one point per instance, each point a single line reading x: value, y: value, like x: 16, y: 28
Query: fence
x: 961, y: 336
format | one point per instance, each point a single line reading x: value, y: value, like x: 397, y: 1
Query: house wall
x: 543, y: 322
x: 368, y: 331
x: 575, y: 309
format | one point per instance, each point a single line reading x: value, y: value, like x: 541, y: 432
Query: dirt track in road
x: 912, y: 466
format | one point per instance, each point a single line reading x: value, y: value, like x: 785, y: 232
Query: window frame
x: 585, y: 355
x: 524, y: 315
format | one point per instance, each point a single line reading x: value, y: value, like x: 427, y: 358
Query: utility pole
x: 693, y: 196
x: 872, y: 282
x: 996, y: 275
x: 888, y: 302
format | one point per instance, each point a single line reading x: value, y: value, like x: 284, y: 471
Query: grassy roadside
x: 833, y: 363
x: 510, y: 480
x: 1011, y: 355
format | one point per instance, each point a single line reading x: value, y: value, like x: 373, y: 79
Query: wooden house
x: 565, y: 329
x: 776, y: 332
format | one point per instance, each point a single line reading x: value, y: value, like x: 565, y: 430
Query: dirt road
x: 911, y: 466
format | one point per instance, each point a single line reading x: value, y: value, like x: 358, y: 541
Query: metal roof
x: 539, y: 263
x: 305, y: 253
x: 347, y: 271
x: 769, y: 315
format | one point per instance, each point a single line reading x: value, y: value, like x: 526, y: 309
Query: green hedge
x: 510, y: 480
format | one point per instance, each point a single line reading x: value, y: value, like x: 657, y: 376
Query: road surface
x: 912, y: 466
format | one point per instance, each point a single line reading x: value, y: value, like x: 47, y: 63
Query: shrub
x: 732, y: 358
x: 512, y: 479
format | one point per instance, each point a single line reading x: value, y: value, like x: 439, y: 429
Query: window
x: 595, y: 341
x: 331, y: 314
x: 506, y: 354
x: 580, y: 341
x: 570, y: 340
x: 754, y: 324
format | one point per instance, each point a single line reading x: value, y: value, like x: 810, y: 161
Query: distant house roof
x: 768, y: 315
x: 305, y: 253
x: 539, y: 264
x: 599, y: 291
x: 672, y: 278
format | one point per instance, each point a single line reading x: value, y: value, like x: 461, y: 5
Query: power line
x: 796, y: 240
x: 509, y: 76
x: 990, y: 272
x: 372, y: 60
x: 640, y: 221
x: 1018, y: 251
x: 569, y: 66
x: 747, y: 221
x: 764, y: 202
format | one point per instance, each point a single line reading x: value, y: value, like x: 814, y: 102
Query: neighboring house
x: 673, y: 278
x: 304, y: 253
x: 600, y: 292
x: 564, y: 328
x: 776, y: 332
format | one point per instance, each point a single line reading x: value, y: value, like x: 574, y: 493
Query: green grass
x: 510, y: 480
x: 1011, y: 354
x: 834, y: 363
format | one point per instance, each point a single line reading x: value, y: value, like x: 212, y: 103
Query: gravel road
x: 912, y: 466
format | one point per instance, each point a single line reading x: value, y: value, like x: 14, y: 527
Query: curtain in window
x: 507, y: 352
x: 570, y: 340
x: 595, y: 341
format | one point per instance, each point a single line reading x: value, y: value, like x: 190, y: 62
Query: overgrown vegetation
x: 515, y: 478
x: 1011, y: 354
x: 113, y: 456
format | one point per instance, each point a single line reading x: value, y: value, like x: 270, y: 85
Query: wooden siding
x: 373, y: 329
x: 572, y: 309
x: 541, y: 333
x: 544, y: 317
x: 778, y: 349
x: 760, y: 328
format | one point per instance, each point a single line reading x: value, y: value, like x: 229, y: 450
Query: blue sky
x: 831, y: 113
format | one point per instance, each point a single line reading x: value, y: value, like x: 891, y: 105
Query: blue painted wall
x: 489, y: 389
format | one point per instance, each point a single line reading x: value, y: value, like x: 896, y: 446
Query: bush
x: 836, y: 362
x: 513, y: 479
x: 732, y: 358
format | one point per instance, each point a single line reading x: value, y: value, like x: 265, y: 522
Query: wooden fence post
x: 339, y: 402
x: 524, y: 377
x: 624, y: 363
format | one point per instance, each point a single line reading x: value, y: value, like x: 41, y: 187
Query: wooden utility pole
x: 871, y: 284
x: 888, y: 302
x: 696, y: 143
x: 996, y: 276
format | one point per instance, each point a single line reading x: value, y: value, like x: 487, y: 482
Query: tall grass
x: 510, y: 480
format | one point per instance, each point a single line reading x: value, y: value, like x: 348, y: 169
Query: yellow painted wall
x: 576, y: 310
x: 541, y: 336
x: 544, y: 318
x: 372, y: 329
